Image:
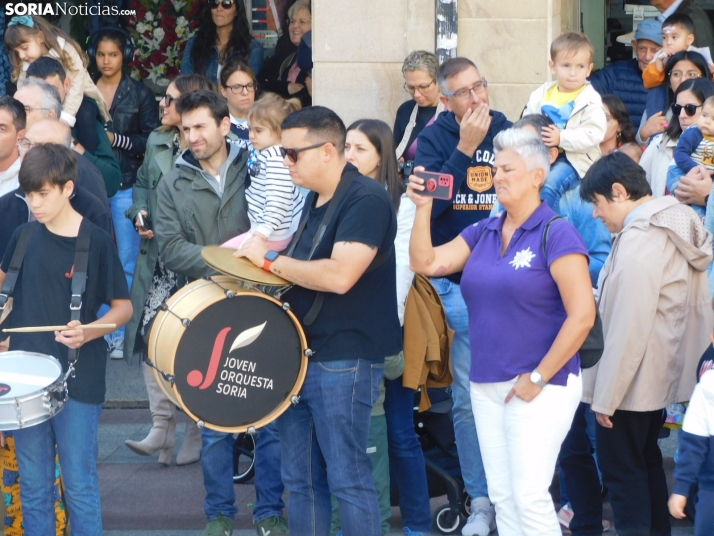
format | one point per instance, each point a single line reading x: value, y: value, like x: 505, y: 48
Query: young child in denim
x: 696, y: 457
x: 575, y: 108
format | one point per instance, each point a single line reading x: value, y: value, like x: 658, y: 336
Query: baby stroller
x: 438, y: 442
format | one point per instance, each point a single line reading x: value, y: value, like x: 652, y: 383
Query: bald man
x: 89, y: 177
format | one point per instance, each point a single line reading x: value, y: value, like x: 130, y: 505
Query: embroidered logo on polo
x: 523, y: 259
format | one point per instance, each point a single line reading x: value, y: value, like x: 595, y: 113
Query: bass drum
x: 231, y: 358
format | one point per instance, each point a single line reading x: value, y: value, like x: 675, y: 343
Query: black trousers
x: 631, y: 465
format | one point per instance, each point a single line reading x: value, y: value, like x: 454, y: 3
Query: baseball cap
x: 650, y: 29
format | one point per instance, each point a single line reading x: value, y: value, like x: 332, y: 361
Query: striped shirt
x: 274, y: 202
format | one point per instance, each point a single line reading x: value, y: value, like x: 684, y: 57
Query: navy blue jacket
x: 624, y: 79
x: 474, y: 193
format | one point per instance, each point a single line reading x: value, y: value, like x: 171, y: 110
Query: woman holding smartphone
x: 153, y: 283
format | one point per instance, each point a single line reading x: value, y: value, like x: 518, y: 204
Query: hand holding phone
x: 436, y: 185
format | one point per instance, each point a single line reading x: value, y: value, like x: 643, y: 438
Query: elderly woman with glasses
x: 282, y: 74
x: 223, y: 32
x: 530, y: 306
x: 420, y: 70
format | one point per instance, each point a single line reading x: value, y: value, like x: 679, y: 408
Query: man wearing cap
x: 624, y: 78
x: 703, y: 32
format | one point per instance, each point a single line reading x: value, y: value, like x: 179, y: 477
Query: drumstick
x: 39, y: 329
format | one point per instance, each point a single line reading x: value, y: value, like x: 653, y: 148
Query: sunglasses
x: 292, y: 154
x: 689, y: 109
x: 168, y: 99
x: 226, y: 4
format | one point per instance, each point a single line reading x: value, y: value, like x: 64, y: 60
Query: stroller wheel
x: 447, y: 519
x: 466, y: 505
x: 243, y: 458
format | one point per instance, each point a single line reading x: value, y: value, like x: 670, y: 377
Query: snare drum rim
x: 175, y: 396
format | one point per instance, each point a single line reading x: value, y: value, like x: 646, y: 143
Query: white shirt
x: 8, y: 178
x: 670, y: 10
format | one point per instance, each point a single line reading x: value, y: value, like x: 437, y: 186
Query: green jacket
x: 159, y: 160
x: 105, y: 160
x: 194, y: 211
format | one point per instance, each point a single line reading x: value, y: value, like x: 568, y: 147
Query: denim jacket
x: 255, y: 61
x: 135, y: 113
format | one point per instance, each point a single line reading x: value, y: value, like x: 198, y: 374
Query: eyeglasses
x: 225, y: 4
x: 679, y: 75
x: 237, y: 89
x: 24, y: 145
x: 29, y: 109
x: 465, y: 92
x: 292, y: 154
x: 421, y: 89
x: 168, y: 99
x: 689, y: 109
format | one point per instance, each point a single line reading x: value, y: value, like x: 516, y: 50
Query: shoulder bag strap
x: 407, y: 132
x: 79, y: 281
x: 546, y: 231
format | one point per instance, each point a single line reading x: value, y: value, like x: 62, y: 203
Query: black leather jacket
x: 135, y: 113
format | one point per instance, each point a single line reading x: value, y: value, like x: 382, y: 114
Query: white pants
x: 520, y: 442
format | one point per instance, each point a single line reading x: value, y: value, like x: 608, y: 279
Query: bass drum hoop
x: 168, y: 321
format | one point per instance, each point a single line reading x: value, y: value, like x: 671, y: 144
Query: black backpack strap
x: 18, y: 256
x: 79, y: 280
x: 546, y: 231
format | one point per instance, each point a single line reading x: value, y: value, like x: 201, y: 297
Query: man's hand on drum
x: 2, y: 440
x: 253, y: 249
x: 72, y: 338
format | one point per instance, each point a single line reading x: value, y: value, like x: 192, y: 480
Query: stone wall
x: 359, y: 47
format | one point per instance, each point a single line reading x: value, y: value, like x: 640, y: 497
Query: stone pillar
x: 509, y: 40
x: 358, y: 51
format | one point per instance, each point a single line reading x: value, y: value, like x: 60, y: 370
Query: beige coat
x: 585, y: 129
x: 81, y: 85
x: 655, y: 311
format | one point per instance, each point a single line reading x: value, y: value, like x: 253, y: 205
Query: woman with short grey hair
x: 420, y: 70
x: 530, y: 305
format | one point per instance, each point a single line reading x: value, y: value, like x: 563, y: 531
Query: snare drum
x: 32, y: 389
x: 232, y: 359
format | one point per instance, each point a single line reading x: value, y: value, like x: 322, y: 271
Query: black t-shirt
x: 362, y: 322
x: 42, y: 296
x: 424, y: 115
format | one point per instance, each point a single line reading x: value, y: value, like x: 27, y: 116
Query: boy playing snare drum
x: 42, y: 296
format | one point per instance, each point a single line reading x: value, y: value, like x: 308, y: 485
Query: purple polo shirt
x: 515, y: 309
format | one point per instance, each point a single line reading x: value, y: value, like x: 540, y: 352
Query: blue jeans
x: 464, y: 425
x: 406, y: 459
x: 268, y: 482
x: 324, y: 441
x: 127, y: 238
x: 674, y: 176
x: 580, y: 474
x: 561, y: 179
x: 75, y: 432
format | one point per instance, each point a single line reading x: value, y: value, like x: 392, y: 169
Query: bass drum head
x: 238, y: 362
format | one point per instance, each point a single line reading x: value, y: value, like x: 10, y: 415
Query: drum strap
x: 13, y: 271
x: 342, y: 187
x: 79, y: 281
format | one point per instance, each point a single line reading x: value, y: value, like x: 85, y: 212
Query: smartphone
x: 436, y: 185
x: 144, y: 221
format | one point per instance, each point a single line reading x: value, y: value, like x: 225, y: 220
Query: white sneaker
x: 116, y: 350
x: 482, y: 520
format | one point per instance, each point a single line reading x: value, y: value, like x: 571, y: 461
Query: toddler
x: 677, y: 36
x: 29, y: 38
x: 696, y: 144
x: 274, y: 202
x: 577, y: 113
x: 696, y: 457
